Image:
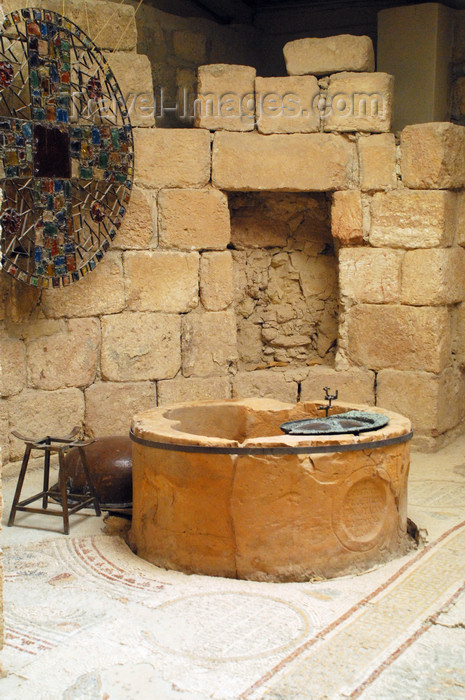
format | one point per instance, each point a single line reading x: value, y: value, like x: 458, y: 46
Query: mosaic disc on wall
x: 66, y: 150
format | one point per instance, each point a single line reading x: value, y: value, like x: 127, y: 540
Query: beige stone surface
x: 85, y: 298
x: 190, y: 46
x: 264, y: 383
x: 287, y: 105
x: 413, y: 219
x: 329, y: 55
x: 461, y: 217
x: 4, y: 432
x: 12, y: 366
x: 66, y: 359
x: 161, y: 280
x: 359, y: 102
x: 433, y: 277
x: 208, y: 343
x: 140, y: 346
x: 399, y: 337
x: 346, y: 217
x: 110, y: 406
x: 458, y: 334
x: 354, y: 384
x: 216, y: 280
x: 133, y: 74
x: 281, y: 162
x: 370, y: 275
x: 433, y: 403
x: 193, y: 219
x: 377, y: 161
x: 139, y: 227
x: 433, y: 156
x: 172, y: 157
x: 20, y: 301
x: 225, y: 97
x: 182, y: 389
x: 36, y: 413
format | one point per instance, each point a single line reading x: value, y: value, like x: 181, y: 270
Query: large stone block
x: 433, y: 156
x: 377, y: 161
x: 370, y: 275
x: 359, y: 102
x: 266, y: 384
x: 413, y: 219
x: 287, y: 105
x: 190, y: 46
x: 432, y: 402
x: 110, y: 407
x: 139, y: 228
x: 399, y: 337
x: 140, y: 346
x: 193, y: 219
x: 225, y: 97
x: 209, y: 345
x: 133, y: 74
x: 181, y: 389
x: 346, y: 217
x: 12, y: 366
x: 283, y: 162
x: 172, y: 157
x: 161, y: 280
x: 66, y: 359
x: 433, y: 277
x: 99, y: 292
x: 216, y: 280
x: 4, y: 432
x: 353, y: 384
x: 329, y: 55
x: 36, y: 413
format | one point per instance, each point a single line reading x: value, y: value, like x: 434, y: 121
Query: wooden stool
x: 48, y: 445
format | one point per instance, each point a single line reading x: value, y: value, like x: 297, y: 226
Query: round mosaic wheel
x: 66, y: 150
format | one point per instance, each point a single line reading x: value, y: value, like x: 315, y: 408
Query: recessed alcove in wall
x: 286, y: 278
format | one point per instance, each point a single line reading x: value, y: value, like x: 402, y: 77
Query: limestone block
x: 359, y: 102
x: 399, y: 337
x: 433, y: 277
x: 21, y: 301
x: 181, y: 390
x: 208, y: 343
x: 139, y: 228
x: 354, y: 384
x: 282, y: 162
x: 216, y: 280
x: 250, y: 229
x: 193, y: 219
x: 432, y: 401
x: 370, y: 275
x: 461, y: 218
x: 161, y: 280
x: 377, y: 161
x: 225, y: 97
x: 65, y: 359
x: 36, y: 413
x: 38, y: 328
x: 140, y: 346
x: 346, y: 217
x: 133, y: 74
x: 329, y: 55
x: 99, y: 292
x: 172, y: 157
x: 458, y: 334
x: 110, y: 407
x: 287, y: 105
x: 433, y: 156
x: 190, y: 46
x: 265, y: 383
x: 413, y: 219
x: 12, y: 366
x: 4, y: 432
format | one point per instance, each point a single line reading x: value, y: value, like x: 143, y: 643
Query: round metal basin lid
x: 354, y: 422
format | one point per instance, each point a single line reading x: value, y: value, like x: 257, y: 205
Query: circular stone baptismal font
x: 218, y: 489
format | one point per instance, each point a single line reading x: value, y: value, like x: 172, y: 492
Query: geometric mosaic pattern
x: 66, y: 150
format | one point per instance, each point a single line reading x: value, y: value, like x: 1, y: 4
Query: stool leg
x: 89, y: 481
x: 64, y: 494
x: 19, y: 485
x: 46, y: 478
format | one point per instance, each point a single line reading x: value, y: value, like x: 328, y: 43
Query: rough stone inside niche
x: 285, y: 278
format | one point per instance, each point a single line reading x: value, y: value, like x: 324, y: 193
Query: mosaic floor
x: 86, y: 619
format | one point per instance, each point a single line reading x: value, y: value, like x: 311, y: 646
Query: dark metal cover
x: 352, y: 422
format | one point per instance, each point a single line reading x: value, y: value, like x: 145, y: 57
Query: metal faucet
x: 329, y: 398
